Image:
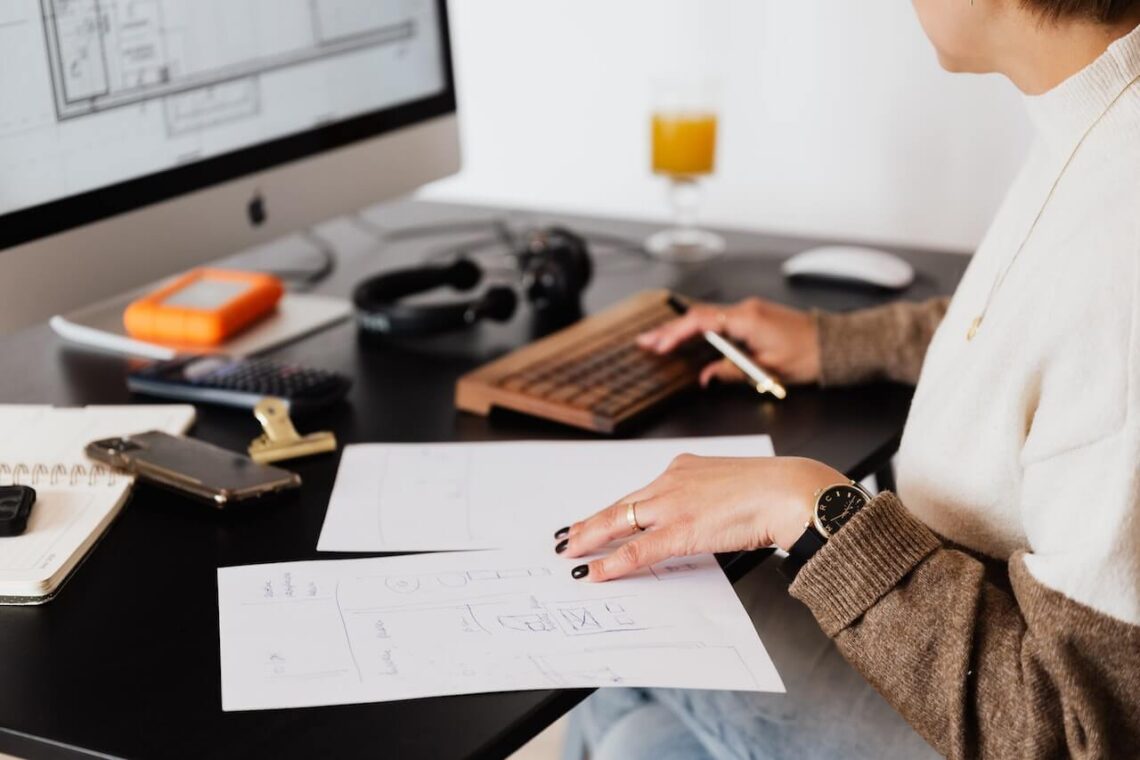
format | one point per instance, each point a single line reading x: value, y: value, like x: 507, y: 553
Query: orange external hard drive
x: 203, y: 307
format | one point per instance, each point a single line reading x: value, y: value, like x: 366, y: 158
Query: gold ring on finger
x: 631, y: 517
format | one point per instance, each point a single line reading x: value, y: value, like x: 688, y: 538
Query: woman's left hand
x: 701, y: 505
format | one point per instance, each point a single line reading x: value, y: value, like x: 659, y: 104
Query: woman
x: 995, y: 602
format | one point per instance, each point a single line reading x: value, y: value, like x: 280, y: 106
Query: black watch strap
x: 803, y: 550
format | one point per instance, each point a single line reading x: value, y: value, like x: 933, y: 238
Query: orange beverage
x: 684, y: 144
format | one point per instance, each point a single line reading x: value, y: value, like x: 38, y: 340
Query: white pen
x: 765, y: 383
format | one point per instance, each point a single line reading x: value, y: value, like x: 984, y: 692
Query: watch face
x: 836, y: 506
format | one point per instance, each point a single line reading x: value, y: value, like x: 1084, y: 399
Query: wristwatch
x: 834, y: 507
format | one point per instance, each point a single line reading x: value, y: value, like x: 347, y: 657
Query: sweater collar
x: 1062, y: 114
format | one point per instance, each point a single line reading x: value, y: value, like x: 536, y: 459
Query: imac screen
x: 97, y: 93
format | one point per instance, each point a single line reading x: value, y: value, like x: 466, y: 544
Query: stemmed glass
x: 684, y: 125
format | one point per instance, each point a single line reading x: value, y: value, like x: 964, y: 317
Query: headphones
x: 555, y: 267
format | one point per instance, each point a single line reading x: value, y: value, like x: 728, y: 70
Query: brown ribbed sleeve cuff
x: 847, y: 350
x: 886, y: 342
x: 864, y: 561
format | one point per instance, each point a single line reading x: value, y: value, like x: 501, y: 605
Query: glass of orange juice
x: 684, y: 131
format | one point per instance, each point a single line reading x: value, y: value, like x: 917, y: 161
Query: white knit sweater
x: 1028, y: 437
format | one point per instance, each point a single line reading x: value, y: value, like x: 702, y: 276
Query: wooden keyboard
x: 591, y: 375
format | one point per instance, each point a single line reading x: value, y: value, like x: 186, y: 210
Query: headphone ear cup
x: 380, y: 307
x: 497, y: 304
x: 557, y: 278
x: 548, y: 279
x: 463, y: 274
x: 579, y: 266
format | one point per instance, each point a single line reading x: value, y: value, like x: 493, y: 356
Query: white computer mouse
x: 850, y: 264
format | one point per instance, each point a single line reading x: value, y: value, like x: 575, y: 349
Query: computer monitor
x: 141, y: 137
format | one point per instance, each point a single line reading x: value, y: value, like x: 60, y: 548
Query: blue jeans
x: 830, y: 711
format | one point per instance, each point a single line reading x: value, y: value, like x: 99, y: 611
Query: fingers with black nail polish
x: 562, y: 546
x: 580, y: 572
x: 562, y: 533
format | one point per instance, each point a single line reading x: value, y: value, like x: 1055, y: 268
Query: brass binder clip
x: 281, y: 440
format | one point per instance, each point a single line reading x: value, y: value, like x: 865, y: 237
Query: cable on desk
x: 304, y: 279
x: 503, y: 234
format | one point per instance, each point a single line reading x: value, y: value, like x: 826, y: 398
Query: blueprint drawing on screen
x: 108, y: 89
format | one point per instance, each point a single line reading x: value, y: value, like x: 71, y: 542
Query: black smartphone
x: 15, y: 508
x: 199, y: 469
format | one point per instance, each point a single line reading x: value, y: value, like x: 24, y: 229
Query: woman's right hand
x: 783, y: 341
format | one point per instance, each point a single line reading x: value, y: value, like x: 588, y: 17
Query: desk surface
x: 125, y: 661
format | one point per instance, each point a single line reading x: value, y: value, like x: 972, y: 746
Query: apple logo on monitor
x: 256, y: 210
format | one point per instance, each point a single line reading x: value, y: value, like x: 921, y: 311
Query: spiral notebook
x: 76, y: 500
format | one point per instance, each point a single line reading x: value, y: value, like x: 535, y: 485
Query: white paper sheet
x: 374, y: 630
x: 452, y: 496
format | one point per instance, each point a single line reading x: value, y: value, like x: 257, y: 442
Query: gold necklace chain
x: 977, y: 323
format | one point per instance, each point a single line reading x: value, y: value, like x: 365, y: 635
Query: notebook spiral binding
x: 41, y: 475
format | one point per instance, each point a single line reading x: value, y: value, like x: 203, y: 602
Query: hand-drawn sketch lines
x: 339, y: 631
x: 506, y: 613
x: 203, y: 58
x: 527, y: 624
x: 674, y: 568
x: 618, y: 666
x: 410, y: 584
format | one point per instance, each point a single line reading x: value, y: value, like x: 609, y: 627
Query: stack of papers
x: 509, y: 618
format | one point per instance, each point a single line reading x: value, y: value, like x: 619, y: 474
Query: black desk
x: 125, y: 661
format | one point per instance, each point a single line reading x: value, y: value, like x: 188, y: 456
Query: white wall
x: 837, y: 120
